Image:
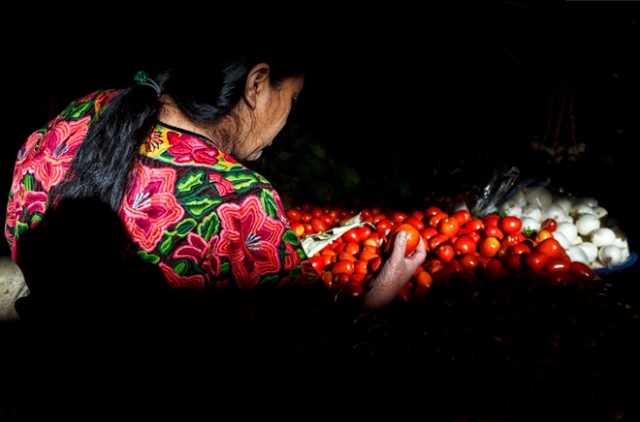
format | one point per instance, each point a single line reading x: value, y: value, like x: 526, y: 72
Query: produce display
x: 534, y: 235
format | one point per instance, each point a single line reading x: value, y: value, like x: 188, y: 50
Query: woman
x: 168, y: 156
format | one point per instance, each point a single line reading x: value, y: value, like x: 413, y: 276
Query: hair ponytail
x: 101, y: 166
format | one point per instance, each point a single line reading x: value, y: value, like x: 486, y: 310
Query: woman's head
x: 240, y: 99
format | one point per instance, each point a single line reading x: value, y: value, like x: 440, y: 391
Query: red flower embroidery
x: 250, y: 239
x: 187, y: 149
x: 150, y: 207
x: 199, y: 251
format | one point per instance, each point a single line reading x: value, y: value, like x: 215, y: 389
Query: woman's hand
x: 395, y: 273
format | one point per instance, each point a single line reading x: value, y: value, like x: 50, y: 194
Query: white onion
x: 532, y: 211
x: 587, y: 223
x: 569, y: 230
x: 565, y: 202
x: 518, y: 199
x: 553, y: 211
x: 530, y: 224
x: 576, y: 253
x: 580, y: 209
x: 588, y: 201
x: 511, y: 209
x: 539, y: 196
x: 600, y: 211
x: 610, y: 255
x: 603, y: 236
x: 590, y: 250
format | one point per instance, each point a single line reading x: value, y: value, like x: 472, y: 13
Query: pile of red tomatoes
x: 459, y: 246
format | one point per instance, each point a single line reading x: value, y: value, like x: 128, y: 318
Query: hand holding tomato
x: 396, y: 271
x: 412, y: 237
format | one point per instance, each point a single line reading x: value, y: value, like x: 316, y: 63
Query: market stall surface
x: 469, y: 351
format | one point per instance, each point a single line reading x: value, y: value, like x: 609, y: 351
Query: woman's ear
x: 257, y: 80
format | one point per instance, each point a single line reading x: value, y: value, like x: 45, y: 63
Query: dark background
x: 418, y: 102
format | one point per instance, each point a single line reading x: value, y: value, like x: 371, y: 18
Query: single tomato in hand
x: 413, y: 237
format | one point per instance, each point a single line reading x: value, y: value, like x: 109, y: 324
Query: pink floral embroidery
x: 35, y: 201
x: 199, y: 250
x: 196, y: 281
x: 223, y: 186
x: 24, y: 162
x: 250, y: 239
x: 187, y: 149
x: 57, y: 149
x: 150, y: 207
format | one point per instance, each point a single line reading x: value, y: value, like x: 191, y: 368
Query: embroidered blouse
x: 204, y: 218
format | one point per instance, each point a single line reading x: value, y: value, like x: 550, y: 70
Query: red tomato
x: 465, y: 244
x: 463, y: 217
x: 490, y: 220
x: 343, y: 266
x: 375, y: 264
x: 318, y: 225
x: 489, y: 247
x: 383, y: 225
x: 418, y: 224
x: 431, y: 211
x: 435, y: 241
x: 317, y: 262
x: 535, y: 260
x: 520, y: 248
x: 474, y: 225
x: 550, y: 224
x: 370, y: 241
x: 361, y: 267
x: 562, y: 278
x: 550, y: 247
x: 418, y: 214
x: 469, y: 261
x: 445, y: 252
x: 582, y: 271
x: 423, y: 278
x: 367, y: 256
x: 364, y: 232
x: 399, y: 217
x: 413, y: 237
x: 514, y: 262
x: 448, y: 226
x: 427, y: 233
x: 298, y: 228
x: 351, y: 235
x: 306, y: 217
x: 327, y: 220
x: 494, y: 269
x: 557, y: 265
x: 294, y: 214
x: 433, y: 265
x: 352, y: 248
x: 510, y: 224
x: 435, y: 219
x: 493, y: 231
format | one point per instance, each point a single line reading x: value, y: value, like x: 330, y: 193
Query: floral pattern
x: 205, y: 219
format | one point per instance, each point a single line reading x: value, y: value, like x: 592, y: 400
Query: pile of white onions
x: 584, y: 228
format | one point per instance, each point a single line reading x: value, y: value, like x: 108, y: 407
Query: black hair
x: 204, y: 90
